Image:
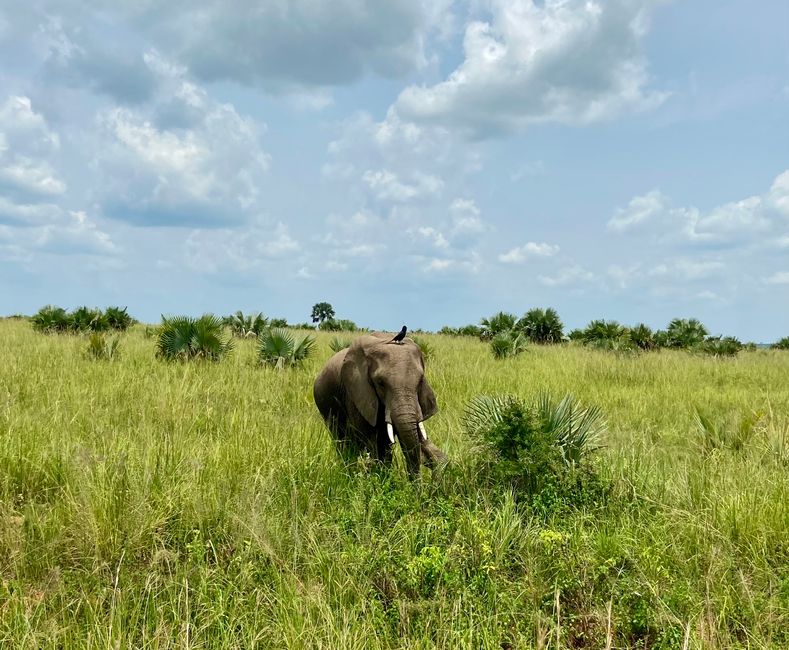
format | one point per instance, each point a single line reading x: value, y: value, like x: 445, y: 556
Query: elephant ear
x: 427, y: 399
x: 356, y: 382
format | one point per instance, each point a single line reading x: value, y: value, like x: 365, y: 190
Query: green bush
x: 246, y: 326
x: 101, y: 348
x: 781, y: 344
x: 726, y: 346
x: 685, y: 333
x: 608, y: 335
x: 641, y: 336
x: 118, y: 319
x: 278, y: 322
x: 540, y: 450
x: 85, y: 319
x: 464, y: 330
x: 508, y: 343
x: 277, y: 347
x: 337, y: 325
x: 184, y: 338
x: 542, y: 325
x: 50, y: 319
x: 337, y: 344
x: 497, y: 324
x: 424, y: 347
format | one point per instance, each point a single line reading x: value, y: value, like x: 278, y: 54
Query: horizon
x: 413, y: 162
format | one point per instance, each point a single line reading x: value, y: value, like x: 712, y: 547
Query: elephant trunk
x: 406, y: 417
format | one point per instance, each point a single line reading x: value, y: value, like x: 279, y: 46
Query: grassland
x: 146, y: 504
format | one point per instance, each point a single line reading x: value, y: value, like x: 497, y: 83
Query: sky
x: 426, y: 162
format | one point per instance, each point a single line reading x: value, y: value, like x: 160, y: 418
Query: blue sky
x: 407, y: 161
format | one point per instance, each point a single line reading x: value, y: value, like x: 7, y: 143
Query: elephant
x: 374, y: 389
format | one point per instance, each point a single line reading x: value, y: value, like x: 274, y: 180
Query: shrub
x: 302, y: 326
x: 245, y: 326
x: 496, y: 324
x: 641, y: 337
x: 277, y: 347
x: 184, y: 338
x: 424, y: 347
x: 537, y: 449
x: 278, y: 323
x: 85, y: 319
x: 464, y: 330
x: 337, y: 344
x: 101, y: 348
x: 781, y: 344
x: 337, y: 325
x: 542, y: 325
x: 50, y: 319
x: 507, y: 344
x: 685, y: 333
x: 609, y: 335
x: 727, y: 346
x: 118, y: 319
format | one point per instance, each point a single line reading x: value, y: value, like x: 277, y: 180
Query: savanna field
x: 153, y: 504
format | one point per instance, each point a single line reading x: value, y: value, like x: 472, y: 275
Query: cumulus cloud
x: 202, y: 170
x: 731, y: 223
x: 26, y: 144
x: 531, y: 249
x: 386, y: 186
x: 569, y: 275
x: 528, y: 62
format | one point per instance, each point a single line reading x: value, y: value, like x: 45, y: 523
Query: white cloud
x: 531, y: 249
x: 688, y: 269
x: 466, y: 218
x: 386, y: 186
x: 732, y: 223
x: 26, y: 145
x: 64, y: 233
x: 564, y: 61
x: 779, y: 277
x: 570, y: 275
x: 183, y: 160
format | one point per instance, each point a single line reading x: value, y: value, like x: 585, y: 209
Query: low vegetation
x: 56, y: 320
x: 182, y: 338
x: 279, y: 348
x: 151, y: 504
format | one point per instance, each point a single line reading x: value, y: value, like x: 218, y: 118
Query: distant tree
x: 542, y: 325
x: 685, y: 333
x: 337, y: 325
x: 497, y: 324
x: 322, y: 311
x: 278, y: 323
x: 726, y: 346
x: 781, y: 344
x: 642, y: 337
x: 244, y: 326
x: 605, y: 334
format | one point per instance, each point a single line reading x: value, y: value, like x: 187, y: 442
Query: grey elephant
x: 376, y: 389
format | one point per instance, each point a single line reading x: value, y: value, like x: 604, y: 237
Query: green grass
x: 146, y: 504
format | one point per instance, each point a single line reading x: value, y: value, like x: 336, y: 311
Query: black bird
x: 400, y: 335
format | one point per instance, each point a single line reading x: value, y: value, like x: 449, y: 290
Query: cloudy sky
x: 418, y: 161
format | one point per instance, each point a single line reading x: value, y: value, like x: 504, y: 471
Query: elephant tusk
x: 390, y: 432
x: 422, y: 430
x: 388, y: 415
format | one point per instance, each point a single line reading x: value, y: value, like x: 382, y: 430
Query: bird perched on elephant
x: 372, y: 391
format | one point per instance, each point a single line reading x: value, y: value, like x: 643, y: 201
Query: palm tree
x: 685, y: 332
x: 496, y: 324
x: 322, y: 311
x: 244, y: 326
x: 781, y: 344
x: 277, y: 347
x: 641, y: 336
x: 118, y: 319
x: 50, y: 319
x: 605, y: 334
x: 184, y: 338
x: 542, y: 325
x: 508, y: 343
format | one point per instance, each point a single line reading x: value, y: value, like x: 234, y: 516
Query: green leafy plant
x: 685, y: 333
x: 542, y: 325
x: 641, y: 336
x: 102, y: 348
x: 732, y: 434
x: 50, y: 319
x: 497, y: 324
x: 277, y: 347
x: 464, y: 330
x: 86, y: 319
x: 539, y: 449
x: 337, y: 344
x: 322, y: 311
x: 424, y: 347
x: 278, y: 322
x: 118, y: 319
x: 726, y: 346
x: 337, y: 325
x: 608, y: 335
x: 246, y: 326
x: 507, y: 344
x: 185, y: 338
x: 781, y: 344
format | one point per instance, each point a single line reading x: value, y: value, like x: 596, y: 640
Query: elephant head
x: 385, y: 382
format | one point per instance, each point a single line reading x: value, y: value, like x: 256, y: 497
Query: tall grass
x: 145, y: 504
